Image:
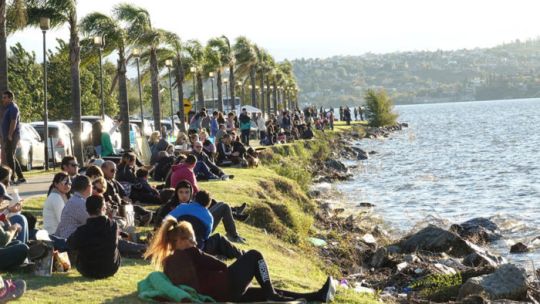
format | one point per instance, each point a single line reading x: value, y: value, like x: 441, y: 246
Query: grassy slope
x: 291, y: 266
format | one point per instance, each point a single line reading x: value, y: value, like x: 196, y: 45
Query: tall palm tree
x: 246, y: 58
x: 213, y: 63
x: 175, y: 44
x: 223, y: 46
x: 61, y: 12
x: 12, y: 17
x: 196, y: 52
x: 115, y: 35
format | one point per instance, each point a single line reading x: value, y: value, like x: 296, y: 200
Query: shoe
x: 237, y: 239
x: 241, y: 209
x: 224, y: 177
x: 231, y: 176
x: 21, y: 181
x: 240, y: 217
x: 12, y: 290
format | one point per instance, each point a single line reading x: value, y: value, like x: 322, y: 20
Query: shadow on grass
x: 129, y: 298
x: 58, y: 279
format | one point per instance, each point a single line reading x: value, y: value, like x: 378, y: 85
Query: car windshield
x: 53, y: 131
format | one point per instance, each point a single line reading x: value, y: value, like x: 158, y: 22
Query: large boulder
x: 336, y: 165
x: 478, y: 230
x: 507, y: 282
x: 481, y: 258
x: 436, y: 239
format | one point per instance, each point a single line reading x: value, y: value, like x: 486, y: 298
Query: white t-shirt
x: 52, y: 211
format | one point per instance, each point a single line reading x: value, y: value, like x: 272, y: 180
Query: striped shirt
x: 73, y: 216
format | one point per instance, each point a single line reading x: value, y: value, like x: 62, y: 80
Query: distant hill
x: 506, y: 71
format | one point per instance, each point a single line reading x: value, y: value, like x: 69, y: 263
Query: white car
x: 86, y: 134
x: 60, y: 140
x: 30, y: 151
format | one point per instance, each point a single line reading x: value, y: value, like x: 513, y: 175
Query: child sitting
x: 96, y: 242
x: 142, y: 191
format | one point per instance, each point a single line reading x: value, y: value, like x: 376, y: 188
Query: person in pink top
x: 184, y: 171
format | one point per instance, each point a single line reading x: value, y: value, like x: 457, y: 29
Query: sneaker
x: 12, y: 290
x: 21, y: 181
x: 237, y: 239
x: 231, y: 176
x: 241, y: 209
x: 224, y: 177
x: 240, y: 217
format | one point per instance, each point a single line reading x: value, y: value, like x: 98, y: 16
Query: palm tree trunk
x: 219, y: 91
x: 232, y: 85
x: 275, y: 98
x: 75, y: 60
x: 3, y: 48
x: 252, y: 75
x: 263, y: 105
x: 123, y: 100
x: 200, y: 91
x: 180, y: 86
x: 154, y: 76
x: 268, y: 94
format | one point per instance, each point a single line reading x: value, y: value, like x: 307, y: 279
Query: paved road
x: 37, y: 185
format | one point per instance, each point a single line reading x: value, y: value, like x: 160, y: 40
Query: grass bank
x: 281, y: 218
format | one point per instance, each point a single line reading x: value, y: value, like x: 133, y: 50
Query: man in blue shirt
x: 197, y: 214
x: 11, y: 134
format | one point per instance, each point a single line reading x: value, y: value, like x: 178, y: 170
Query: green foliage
x: 437, y: 284
x: 379, y: 110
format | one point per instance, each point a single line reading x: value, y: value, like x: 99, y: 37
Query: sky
x: 291, y: 29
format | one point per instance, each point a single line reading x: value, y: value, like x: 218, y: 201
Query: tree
x: 196, y: 53
x: 379, y: 109
x: 116, y: 38
x: 246, y: 58
x: 175, y: 44
x: 226, y: 60
x: 213, y: 63
x: 26, y: 80
x: 12, y: 17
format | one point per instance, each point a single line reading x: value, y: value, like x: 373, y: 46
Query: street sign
x: 187, y: 106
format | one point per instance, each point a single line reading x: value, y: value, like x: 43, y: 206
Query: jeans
x: 20, y: 219
x: 218, y: 245
x: 202, y: 171
x: 244, y: 137
x: 262, y: 135
x: 12, y: 162
x: 131, y: 250
x: 59, y: 243
x: 13, y: 255
x: 222, y: 211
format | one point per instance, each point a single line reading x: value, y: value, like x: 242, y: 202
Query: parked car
x: 86, y: 134
x: 139, y: 144
x: 147, y: 130
x: 30, y: 151
x: 61, y: 139
x: 108, y: 125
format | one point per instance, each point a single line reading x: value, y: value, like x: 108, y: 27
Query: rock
x: 366, y: 205
x: 443, y: 269
x: 435, y: 239
x: 369, y: 239
x: 393, y: 249
x: 378, y: 259
x: 404, y: 125
x: 411, y: 258
x: 507, y: 282
x: 482, y: 257
x: 452, y: 262
x: 314, y: 193
x: 401, y: 266
x: 519, y: 248
x: 372, y: 152
x: 478, y: 230
x: 336, y: 165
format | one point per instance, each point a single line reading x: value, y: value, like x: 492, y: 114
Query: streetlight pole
x: 226, y: 82
x: 211, y: 75
x: 168, y: 64
x: 99, y: 42
x: 44, y: 24
x: 137, y: 53
x: 193, y: 70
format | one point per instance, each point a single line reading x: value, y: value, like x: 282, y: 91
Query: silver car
x: 30, y: 151
x: 60, y: 139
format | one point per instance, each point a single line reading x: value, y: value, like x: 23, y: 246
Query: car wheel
x: 29, y: 162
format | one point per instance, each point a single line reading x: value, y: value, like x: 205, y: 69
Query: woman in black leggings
x: 189, y: 266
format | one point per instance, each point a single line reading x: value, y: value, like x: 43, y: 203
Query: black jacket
x: 96, y: 243
x: 124, y: 173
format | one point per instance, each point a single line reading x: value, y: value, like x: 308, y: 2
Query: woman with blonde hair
x: 174, y: 249
x: 154, y: 138
x: 181, y: 139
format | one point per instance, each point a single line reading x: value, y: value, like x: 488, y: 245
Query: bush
x: 380, y: 109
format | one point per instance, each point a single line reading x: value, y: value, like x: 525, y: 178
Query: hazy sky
x: 315, y: 28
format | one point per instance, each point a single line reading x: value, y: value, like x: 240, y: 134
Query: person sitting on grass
x: 74, y: 213
x: 219, y: 135
x: 174, y: 249
x: 57, y: 197
x: 70, y: 166
x: 142, y: 192
x: 206, y: 169
x: 162, y: 166
x: 197, y: 213
x: 224, y: 151
x: 96, y: 242
x: 184, y: 171
x: 93, y: 172
x: 219, y: 210
x: 13, y: 253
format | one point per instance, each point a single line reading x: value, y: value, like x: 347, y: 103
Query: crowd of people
x: 92, y: 212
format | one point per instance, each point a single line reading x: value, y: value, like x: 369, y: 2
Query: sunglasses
x: 74, y: 165
x: 66, y: 182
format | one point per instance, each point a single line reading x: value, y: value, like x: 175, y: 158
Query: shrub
x: 380, y: 109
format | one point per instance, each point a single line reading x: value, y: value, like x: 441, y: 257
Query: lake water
x: 457, y: 161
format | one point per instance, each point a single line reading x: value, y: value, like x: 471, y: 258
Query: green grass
x: 293, y: 263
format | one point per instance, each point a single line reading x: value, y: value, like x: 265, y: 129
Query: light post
x: 169, y: 64
x: 44, y: 24
x: 211, y: 75
x: 225, y: 81
x: 274, y: 107
x: 99, y: 42
x: 137, y: 54
x: 193, y: 70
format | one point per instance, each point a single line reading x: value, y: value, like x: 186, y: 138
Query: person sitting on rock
x: 175, y: 250
x: 219, y: 210
x: 142, y: 192
x: 196, y: 212
x: 96, y: 242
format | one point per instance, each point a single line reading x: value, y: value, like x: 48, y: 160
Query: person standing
x: 245, y: 126
x: 11, y: 134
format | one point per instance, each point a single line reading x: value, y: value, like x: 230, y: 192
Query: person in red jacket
x: 175, y: 250
x: 184, y: 171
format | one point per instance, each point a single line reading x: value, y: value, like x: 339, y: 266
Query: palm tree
x: 61, y: 12
x: 213, y: 63
x: 196, y: 53
x: 227, y: 60
x: 246, y: 58
x: 111, y: 29
x: 12, y: 17
x: 175, y: 43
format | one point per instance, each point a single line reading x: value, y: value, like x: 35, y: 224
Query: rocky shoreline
x: 433, y: 264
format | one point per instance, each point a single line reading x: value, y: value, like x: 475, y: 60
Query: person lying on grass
x: 219, y: 210
x: 96, y: 242
x: 174, y: 249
